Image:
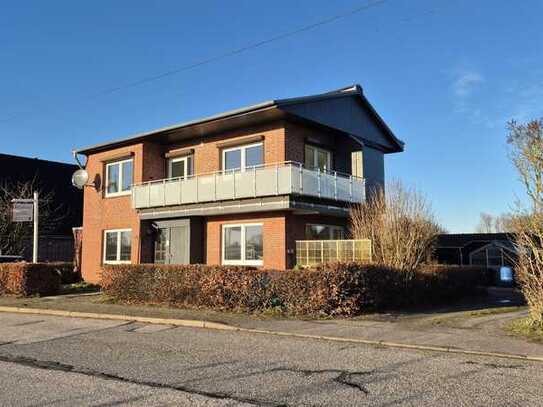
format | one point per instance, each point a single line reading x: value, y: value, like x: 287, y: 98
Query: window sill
x: 256, y: 263
x: 117, y: 194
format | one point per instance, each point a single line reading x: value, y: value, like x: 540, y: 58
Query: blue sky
x: 446, y: 76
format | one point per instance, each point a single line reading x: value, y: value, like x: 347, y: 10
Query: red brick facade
x: 283, y: 141
x: 273, y: 230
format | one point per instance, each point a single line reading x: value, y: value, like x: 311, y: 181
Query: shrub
x: 338, y: 289
x: 29, y: 279
x: 400, y: 225
x: 526, y: 141
x: 68, y: 274
x: 435, y: 284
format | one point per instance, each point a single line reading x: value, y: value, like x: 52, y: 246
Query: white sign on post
x: 26, y: 210
x: 22, y: 211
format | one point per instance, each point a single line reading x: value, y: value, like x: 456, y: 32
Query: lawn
x: 526, y: 328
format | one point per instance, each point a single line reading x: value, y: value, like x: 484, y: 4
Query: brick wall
x: 101, y: 213
x: 207, y: 150
x: 274, y: 232
x: 283, y: 141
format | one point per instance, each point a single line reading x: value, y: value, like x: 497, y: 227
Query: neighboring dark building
x: 56, y: 243
x: 491, y: 250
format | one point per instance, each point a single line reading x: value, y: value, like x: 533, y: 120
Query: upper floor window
x: 318, y: 158
x: 243, y: 157
x: 180, y: 167
x: 119, y: 177
x: 324, y: 232
x: 117, y: 246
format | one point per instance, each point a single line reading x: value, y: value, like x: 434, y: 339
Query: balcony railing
x: 273, y: 179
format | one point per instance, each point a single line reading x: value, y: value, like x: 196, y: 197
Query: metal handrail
x: 255, y: 167
x: 277, y: 179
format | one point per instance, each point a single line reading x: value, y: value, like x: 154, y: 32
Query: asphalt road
x: 53, y: 361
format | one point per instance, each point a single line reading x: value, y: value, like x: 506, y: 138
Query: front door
x: 172, y: 245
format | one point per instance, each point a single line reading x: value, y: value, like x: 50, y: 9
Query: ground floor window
x: 242, y: 244
x: 324, y: 232
x: 117, y: 246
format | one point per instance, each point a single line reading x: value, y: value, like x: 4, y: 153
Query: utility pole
x: 36, y: 226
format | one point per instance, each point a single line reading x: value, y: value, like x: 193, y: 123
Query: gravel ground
x: 66, y: 361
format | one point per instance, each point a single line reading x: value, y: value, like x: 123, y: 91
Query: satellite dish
x: 80, y: 178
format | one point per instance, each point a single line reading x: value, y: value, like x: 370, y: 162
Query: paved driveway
x: 57, y: 361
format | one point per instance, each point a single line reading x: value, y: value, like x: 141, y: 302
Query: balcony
x: 287, y: 178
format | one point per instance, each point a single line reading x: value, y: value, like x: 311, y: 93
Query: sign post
x: 36, y: 226
x: 26, y: 210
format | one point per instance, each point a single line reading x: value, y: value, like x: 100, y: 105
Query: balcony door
x: 180, y: 167
x: 172, y: 245
x: 317, y: 158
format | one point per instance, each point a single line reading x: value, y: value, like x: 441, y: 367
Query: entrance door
x: 172, y: 245
x: 179, y: 245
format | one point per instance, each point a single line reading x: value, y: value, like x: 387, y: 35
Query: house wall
x: 100, y: 213
x: 373, y: 162
x: 348, y: 114
x: 283, y: 141
x: 274, y: 237
x: 208, y: 149
x: 341, y: 146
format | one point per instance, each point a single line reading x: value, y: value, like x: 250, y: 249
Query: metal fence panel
x: 311, y: 252
x: 268, y: 180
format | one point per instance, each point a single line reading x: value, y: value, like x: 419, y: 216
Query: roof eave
x: 141, y: 136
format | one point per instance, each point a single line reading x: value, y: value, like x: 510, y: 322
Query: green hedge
x: 332, y: 289
x: 29, y: 278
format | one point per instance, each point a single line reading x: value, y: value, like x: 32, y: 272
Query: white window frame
x: 243, y: 261
x: 120, y: 192
x: 118, y: 254
x: 331, y: 228
x: 185, y: 158
x: 243, y: 148
x: 315, y: 159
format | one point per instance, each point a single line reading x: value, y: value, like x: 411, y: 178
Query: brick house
x: 240, y: 187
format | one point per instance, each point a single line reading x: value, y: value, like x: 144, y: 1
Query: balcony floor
x: 253, y: 205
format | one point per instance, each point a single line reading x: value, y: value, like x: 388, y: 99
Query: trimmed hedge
x: 29, y: 278
x: 338, y: 289
x: 68, y: 274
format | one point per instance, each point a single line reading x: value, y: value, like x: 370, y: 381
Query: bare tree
x: 14, y: 236
x: 494, y: 224
x: 504, y: 223
x: 400, y: 224
x: 526, y: 141
x: 486, y: 223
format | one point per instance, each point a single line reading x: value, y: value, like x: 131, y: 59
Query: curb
x: 224, y: 327
x: 117, y: 317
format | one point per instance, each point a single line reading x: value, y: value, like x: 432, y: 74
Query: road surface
x: 55, y: 361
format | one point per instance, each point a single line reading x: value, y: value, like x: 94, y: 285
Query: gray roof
x: 288, y: 106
